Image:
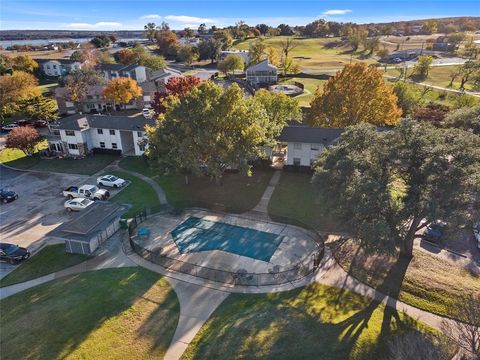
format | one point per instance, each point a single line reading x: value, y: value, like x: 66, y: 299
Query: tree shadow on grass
x: 53, y: 320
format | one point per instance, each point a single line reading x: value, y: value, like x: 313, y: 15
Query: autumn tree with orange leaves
x: 356, y: 94
x: 122, y: 90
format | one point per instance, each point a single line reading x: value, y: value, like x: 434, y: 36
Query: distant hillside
x: 58, y: 34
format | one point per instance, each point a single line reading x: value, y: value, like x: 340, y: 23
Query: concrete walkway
x: 160, y: 193
x: 262, y: 206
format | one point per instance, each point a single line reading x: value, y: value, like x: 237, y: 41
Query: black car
x: 13, y: 253
x: 7, y: 196
x: 434, y: 232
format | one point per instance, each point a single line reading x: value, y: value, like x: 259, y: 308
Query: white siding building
x: 56, y: 68
x: 80, y: 134
x: 262, y: 73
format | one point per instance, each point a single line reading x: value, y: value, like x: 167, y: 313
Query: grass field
x: 48, y: 260
x: 311, y: 86
x: 236, y: 193
x: 127, y: 313
x: 294, y: 197
x: 429, y: 283
x: 138, y: 193
x: 315, y: 322
x: 313, y: 54
x: 86, y: 166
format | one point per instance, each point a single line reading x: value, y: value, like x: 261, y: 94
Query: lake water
x: 39, y: 42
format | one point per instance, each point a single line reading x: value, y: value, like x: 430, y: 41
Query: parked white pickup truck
x: 86, y: 191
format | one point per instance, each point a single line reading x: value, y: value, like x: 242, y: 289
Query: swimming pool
x: 196, y: 235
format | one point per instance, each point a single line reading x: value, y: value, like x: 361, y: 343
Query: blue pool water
x: 196, y: 234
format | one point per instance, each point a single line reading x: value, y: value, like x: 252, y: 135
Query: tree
x: 150, y: 30
x: 429, y: 27
x: 19, y: 63
x: 467, y: 119
x: 386, y: 186
x: 24, y: 138
x: 209, y: 49
x: 113, y: 38
x: 188, y: 33
x: 256, y: 51
x: 208, y: 131
x: 100, y: 41
x: 231, y: 63
x: 317, y: 28
x: 167, y: 42
x: 89, y: 56
x: 466, y: 332
x: 187, y: 54
x: 433, y: 113
x: 408, y: 97
x: 127, y: 57
x: 372, y: 44
x: 176, y: 87
x: 383, y: 53
x: 153, y: 62
x: 272, y: 56
x: 263, y: 28
x: 468, y: 70
x: 471, y: 50
x: 224, y: 37
x: 14, y: 89
x: 287, y: 46
x: 422, y: 66
x: 355, y: 94
x: 40, y: 107
x: 202, y: 28
x: 285, y: 30
x: 78, y: 81
x: 356, y: 36
x: 122, y: 90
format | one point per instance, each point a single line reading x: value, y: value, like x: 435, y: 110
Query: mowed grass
x: 235, y: 193
x: 316, y: 322
x: 138, y: 193
x: 127, y: 313
x: 48, y: 260
x: 311, y: 86
x: 86, y: 166
x: 312, y: 53
x: 294, y: 198
x: 429, y: 283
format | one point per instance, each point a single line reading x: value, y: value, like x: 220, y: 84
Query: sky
x: 133, y: 14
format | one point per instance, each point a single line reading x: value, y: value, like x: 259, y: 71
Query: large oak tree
x: 122, y: 90
x: 388, y: 185
x: 14, y: 89
x: 354, y: 95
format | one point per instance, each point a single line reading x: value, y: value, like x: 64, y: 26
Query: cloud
x: 190, y: 19
x: 151, y: 16
x: 98, y: 25
x: 337, y: 12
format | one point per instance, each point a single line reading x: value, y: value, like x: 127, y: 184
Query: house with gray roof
x: 79, y: 135
x: 300, y: 145
x: 262, y: 73
x: 58, y: 67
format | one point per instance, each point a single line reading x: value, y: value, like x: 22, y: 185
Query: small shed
x: 93, y: 226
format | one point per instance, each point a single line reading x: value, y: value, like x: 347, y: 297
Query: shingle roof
x: 262, y: 65
x: 306, y: 134
x: 115, y: 67
x: 86, y: 121
x: 61, y: 61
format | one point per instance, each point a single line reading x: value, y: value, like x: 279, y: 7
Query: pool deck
x: 298, y: 245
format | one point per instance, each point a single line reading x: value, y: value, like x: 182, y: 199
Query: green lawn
x: 294, y: 197
x: 429, y: 283
x: 236, y: 193
x: 313, y: 54
x: 48, y: 260
x: 138, y: 193
x: 315, y: 322
x: 127, y: 313
x: 311, y: 86
x: 87, y: 166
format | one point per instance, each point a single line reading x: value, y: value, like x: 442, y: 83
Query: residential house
x: 78, y: 135
x: 300, y: 145
x: 113, y: 71
x: 57, y: 67
x: 262, y: 73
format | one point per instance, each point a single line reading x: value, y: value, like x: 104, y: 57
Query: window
x: 314, y: 147
x: 140, y: 133
x: 70, y: 133
x: 54, y: 66
x: 296, y: 161
x: 73, y: 146
x: 112, y: 132
x: 114, y: 145
x: 102, y: 144
x: 297, y: 146
x: 100, y: 131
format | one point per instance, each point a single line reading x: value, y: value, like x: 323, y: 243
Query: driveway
x: 39, y: 208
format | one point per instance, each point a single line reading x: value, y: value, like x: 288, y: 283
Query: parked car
x: 147, y: 113
x: 111, y: 181
x: 13, y: 253
x: 7, y: 196
x: 77, y: 204
x: 25, y: 123
x: 40, y: 124
x: 434, y: 231
x: 476, y: 233
x: 86, y: 191
x: 9, y: 127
